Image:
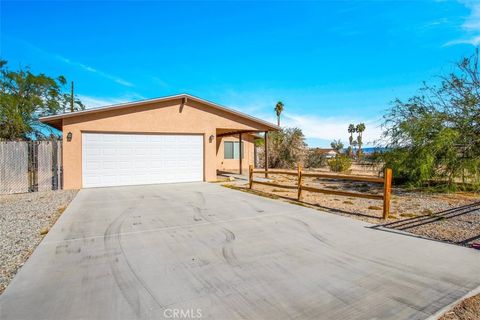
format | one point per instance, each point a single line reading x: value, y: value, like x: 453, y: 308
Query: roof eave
x: 50, y: 119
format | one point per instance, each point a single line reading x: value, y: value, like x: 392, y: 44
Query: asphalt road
x: 199, y: 250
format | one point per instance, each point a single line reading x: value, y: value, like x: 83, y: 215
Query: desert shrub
x: 286, y: 148
x: 340, y: 163
x: 315, y: 159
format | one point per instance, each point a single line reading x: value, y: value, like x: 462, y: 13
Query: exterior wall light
x: 211, y: 138
x: 69, y: 136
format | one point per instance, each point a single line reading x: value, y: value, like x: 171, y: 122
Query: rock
x: 43, y: 231
x: 231, y: 178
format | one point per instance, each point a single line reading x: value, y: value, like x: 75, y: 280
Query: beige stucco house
x: 178, y: 138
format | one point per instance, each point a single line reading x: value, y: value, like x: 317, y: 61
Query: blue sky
x: 330, y: 62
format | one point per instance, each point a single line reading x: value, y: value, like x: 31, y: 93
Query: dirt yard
x: 24, y: 220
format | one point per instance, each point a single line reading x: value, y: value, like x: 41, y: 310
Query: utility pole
x: 71, y: 99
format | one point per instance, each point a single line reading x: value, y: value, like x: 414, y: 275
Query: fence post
x: 299, y: 168
x: 387, y: 190
x: 33, y: 165
x: 250, y: 176
x: 265, y: 154
x: 54, y: 166
x: 60, y: 167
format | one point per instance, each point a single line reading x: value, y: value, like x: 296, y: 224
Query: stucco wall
x: 164, y: 117
x: 233, y: 164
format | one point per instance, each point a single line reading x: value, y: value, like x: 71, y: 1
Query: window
x: 231, y: 150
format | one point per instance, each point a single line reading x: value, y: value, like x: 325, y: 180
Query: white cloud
x: 473, y: 21
x: 330, y: 128
x: 320, y: 129
x: 250, y: 102
x: 97, y: 102
x: 74, y: 63
x: 93, y: 70
x: 471, y: 25
x: 475, y: 41
x: 160, y: 82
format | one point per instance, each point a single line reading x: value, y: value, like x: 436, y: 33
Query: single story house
x: 178, y: 138
x: 328, y: 153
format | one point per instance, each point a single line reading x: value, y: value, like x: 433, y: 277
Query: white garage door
x: 130, y: 159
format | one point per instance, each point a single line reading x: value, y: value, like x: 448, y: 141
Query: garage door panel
x: 92, y: 180
x: 93, y: 165
x: 125, y: 165
x: 93, y: 152
x: 109, y: 165
x: 129, y: 159
x: 125, y: 151
x: 109, y: 151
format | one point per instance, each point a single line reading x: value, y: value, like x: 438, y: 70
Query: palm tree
x: 351, y: 130
x: 278, y: 111
x: 354, y: 144
x: 337, y: 145
x: 360, y: 128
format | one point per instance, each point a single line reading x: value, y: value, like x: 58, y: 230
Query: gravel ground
x: 448, y: 217
x: 468, y: 309
x: 459, y: 225
x: 23, y: 217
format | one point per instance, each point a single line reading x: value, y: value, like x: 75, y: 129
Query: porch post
x: 240, y: 151
x: 255, y: 155
x: 266, y: 154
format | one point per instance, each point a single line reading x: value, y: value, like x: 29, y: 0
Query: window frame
x: 234, y: 154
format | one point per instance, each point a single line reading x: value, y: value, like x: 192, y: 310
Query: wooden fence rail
x: 386, y: 181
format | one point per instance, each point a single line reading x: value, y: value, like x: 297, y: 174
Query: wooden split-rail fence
x: 300, y: 187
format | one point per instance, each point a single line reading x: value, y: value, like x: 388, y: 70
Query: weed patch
x: 408, y: 215
x: 427, y: 212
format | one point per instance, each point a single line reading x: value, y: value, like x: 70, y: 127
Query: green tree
x: 337, y: 145
x: 435, y: 136
x: 24, y: 97
x: 278, y: 111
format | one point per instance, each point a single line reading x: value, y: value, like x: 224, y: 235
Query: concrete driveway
x: 203, y: 251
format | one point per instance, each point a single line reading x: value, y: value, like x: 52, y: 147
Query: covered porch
x: 236, y: 151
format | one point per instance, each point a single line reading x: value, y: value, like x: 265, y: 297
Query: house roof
x: 324, y: 150
x: 55, y: 120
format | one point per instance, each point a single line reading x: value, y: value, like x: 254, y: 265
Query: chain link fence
x: 29, y: 166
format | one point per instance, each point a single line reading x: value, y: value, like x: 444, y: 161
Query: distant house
x: 329, y: 153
